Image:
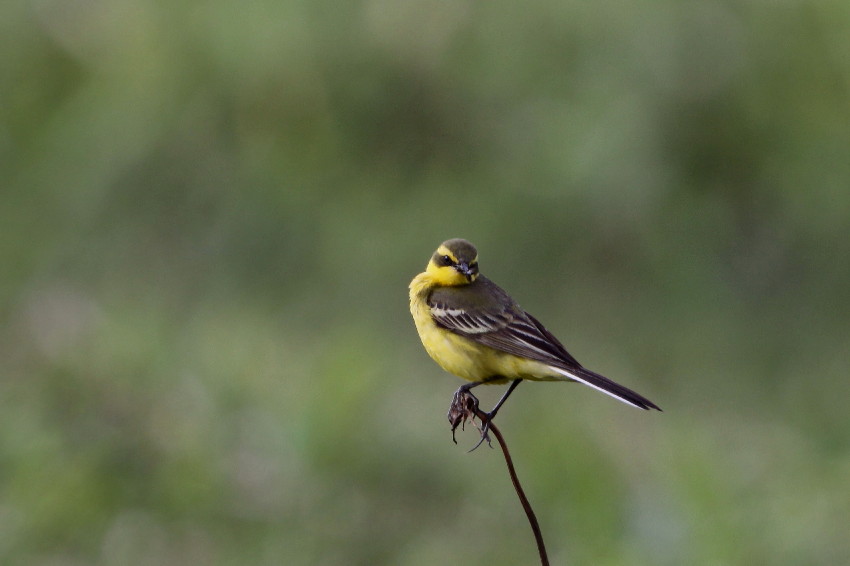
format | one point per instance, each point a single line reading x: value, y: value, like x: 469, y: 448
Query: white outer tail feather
x: 580, y: 380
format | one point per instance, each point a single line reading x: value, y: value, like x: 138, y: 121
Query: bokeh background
x: 210, y: 212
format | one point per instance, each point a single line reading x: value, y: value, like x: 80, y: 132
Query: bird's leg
x: 492, y: 414
x: 487, y: 418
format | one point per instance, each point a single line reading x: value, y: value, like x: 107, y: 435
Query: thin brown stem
x: 529, y: 512
x: 465, y: 407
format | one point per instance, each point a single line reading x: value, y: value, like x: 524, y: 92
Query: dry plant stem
x: 465, y: 407
x: 529, y: 512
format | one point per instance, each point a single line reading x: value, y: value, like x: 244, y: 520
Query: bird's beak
x: 464, y: 269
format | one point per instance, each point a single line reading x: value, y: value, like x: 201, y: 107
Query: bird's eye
x: 447, y: 260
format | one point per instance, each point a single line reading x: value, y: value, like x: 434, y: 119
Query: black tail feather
x: 612, y: 388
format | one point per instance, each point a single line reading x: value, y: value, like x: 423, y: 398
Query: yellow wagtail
x: 472, y: 328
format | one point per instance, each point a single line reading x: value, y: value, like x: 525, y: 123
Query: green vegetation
x: 210, y: 212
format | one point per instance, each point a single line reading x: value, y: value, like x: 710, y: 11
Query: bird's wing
x: 486, y: 314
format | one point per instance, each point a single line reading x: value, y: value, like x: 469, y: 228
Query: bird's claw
x: 484, y: 429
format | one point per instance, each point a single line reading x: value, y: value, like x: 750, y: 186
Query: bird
x: 473, y: 329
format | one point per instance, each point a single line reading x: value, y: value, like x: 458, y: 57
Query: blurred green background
x: 210, y: 212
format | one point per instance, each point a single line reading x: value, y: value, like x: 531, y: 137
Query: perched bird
x: 472, y: 328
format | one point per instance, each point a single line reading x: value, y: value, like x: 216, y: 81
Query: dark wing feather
x: 486, y: 314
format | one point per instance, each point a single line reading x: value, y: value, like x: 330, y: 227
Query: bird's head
x: 454, y: 263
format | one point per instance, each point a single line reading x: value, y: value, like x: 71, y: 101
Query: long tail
x: 605, y: 385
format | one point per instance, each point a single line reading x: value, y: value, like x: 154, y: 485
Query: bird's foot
x: 484, y: 429
x: 465, y: 407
